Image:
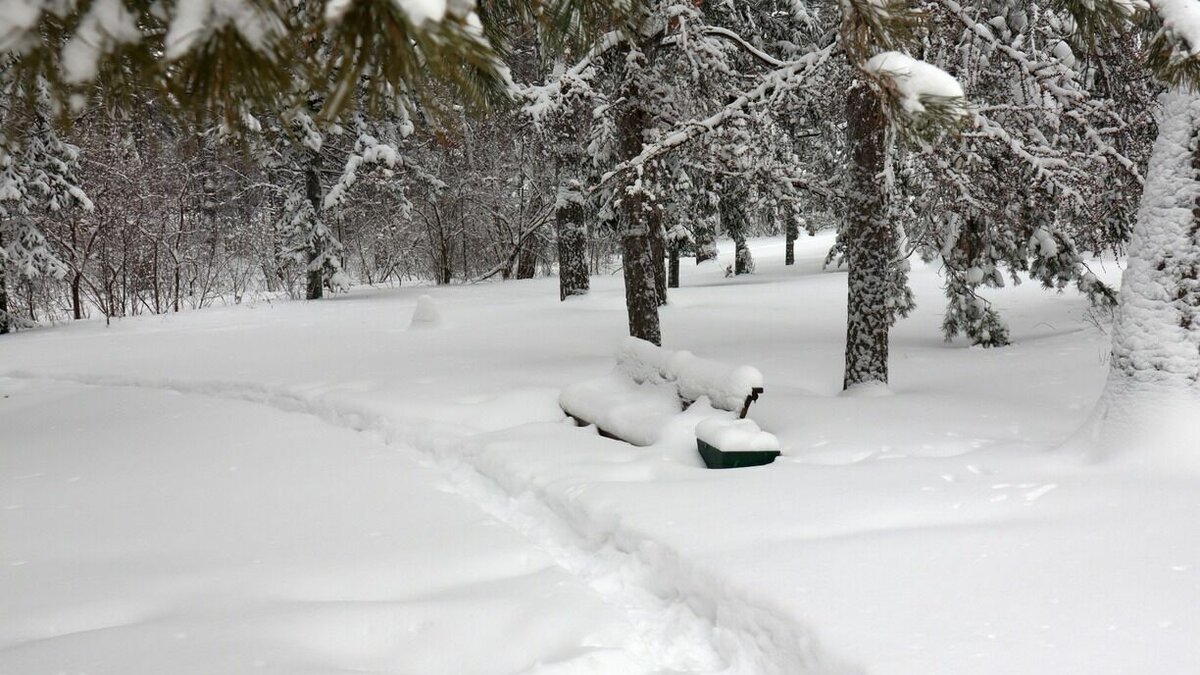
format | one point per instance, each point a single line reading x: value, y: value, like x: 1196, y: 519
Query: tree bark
x: 527, y: 260
x: 705, y: 228
x: 573, y: 277
x: 641, y: 296
x: 641, y: 290
x: 76, y: 296
x: 5, y: 324
x: 733, y: 220
x: 793, y: 233
x: 658, y: 254
x: 870, y: 241
x: 743, y: 261
x: 312, y: 188
x: 1151, y: 400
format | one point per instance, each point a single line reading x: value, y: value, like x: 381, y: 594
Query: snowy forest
x: 959, y: 241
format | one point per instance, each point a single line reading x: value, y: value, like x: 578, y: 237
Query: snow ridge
x: 687, y: 619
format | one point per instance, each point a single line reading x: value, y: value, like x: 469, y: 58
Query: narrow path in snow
x: 684, y: 622
x: 148, y: 532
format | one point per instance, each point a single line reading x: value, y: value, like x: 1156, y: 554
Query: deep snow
x: 935, y: 530
x: 154, y: 532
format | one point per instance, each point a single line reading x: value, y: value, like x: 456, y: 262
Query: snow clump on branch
x: 916, y: 82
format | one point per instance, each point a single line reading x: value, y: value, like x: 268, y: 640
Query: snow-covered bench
x: 650, y: 385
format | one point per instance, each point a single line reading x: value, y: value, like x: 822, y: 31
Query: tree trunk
x: 733, y: 220
x: 706, y: 243
x: 573, y: 277
x: 658, y: 254
x: 705, y: 229
x: 312, y: 189
x: 793, y: 233
x: 641, y: 291
x: 870, y: 241
x: 673, y: 264
x: 1151, y: 401
x: 527, y: 259
x: 743, y: 262
x: 4, y: 320
x: 76, y: 296
x: 641, y: 296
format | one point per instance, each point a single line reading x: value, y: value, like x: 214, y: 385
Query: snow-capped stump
x: 650, y: 385
x: 425, y: 315
x: 728, y: 444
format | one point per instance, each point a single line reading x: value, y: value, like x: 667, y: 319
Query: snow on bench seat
x: 735, y: 435
x: 727, y: 387
x: 650, y: 385
x: 632, y: 412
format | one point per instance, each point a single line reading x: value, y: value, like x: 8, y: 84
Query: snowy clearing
x: 267, y: 486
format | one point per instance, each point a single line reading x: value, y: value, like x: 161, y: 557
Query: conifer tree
x: 1151, y: 400
x: 38, y: 178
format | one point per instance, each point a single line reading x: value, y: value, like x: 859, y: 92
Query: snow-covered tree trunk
x: 869, y: 239
x: 315, y: 195
x: 743, y: 261
x: 573, y: 277
x: 658, y: 253
x: 704, y: 228
x: 1151, y: 401
x: 641, y: 295
x: 706, y: 241
x: 641, y: 289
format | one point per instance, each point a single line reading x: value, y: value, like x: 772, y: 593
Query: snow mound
x: 735, y: 435
x: 867, y: 390
x: 643, y: 362
x: 1143, y: 427
x: 426, y: 314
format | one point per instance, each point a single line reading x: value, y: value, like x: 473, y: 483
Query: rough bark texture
x: 76, y: 296
x: 706, y: 243
x: 870, y: 241
x: 743, y: 262
x: 4, y: 320
x: 793, y: 233
x: 566, y: 138
x: 641, y: 290
x: 527, y: 260
x: 641, y: 296
x: 704, y: 229
x: 573, y: 276
x: 312, y: 188
x: 658, y: 254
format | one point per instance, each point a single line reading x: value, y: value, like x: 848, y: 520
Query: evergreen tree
x: 1151, y: 400
x: 38, y: 179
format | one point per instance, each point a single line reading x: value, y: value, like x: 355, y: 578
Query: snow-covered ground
x: 317, y: 488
